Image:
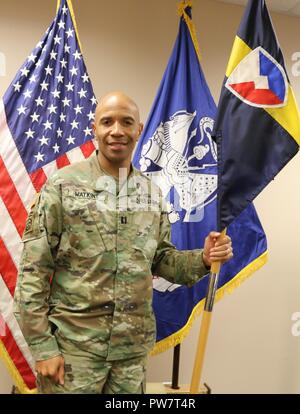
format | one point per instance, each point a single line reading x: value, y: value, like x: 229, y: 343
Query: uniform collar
x: 108, y: 182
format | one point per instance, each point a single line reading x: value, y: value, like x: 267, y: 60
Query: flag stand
x: 175, y: 371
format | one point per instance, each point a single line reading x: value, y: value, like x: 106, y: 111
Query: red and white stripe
x: 17, y: 191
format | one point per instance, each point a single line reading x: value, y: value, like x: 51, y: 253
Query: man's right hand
x: 53, y: 368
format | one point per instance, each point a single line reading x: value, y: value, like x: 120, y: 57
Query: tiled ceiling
x: 291, y: 7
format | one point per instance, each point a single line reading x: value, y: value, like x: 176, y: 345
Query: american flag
x: 45, y: 124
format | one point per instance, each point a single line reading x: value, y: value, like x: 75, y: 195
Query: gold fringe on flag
x: 182, y: 13
x: 235, y: 282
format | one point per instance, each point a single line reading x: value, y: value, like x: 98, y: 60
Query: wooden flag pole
x: 204, y: 330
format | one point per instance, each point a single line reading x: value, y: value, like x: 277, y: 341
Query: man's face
x: 117, y: 128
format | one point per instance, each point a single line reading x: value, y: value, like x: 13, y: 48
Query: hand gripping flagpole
x: 205, y: 325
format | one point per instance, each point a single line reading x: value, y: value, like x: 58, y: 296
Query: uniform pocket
x: 146, y: 226
x: 82, y: 233
x: 150, y: 327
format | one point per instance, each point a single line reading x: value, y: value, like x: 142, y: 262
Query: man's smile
x: 117, y: 145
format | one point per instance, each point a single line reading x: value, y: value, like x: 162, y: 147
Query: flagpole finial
x: 183, y: 5
x: 181, y: 9
x: 71, y: 10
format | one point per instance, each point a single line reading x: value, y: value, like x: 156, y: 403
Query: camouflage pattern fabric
x: 86, y: 269
x: 86, y: 373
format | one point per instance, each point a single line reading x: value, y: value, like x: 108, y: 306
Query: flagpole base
x: 15, y: 390
x: 165, y: 388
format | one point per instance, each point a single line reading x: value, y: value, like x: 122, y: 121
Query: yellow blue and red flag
x: 257, y: 126
x: 178, y: 153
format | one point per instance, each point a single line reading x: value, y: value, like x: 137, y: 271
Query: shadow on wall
x: 2, y: 64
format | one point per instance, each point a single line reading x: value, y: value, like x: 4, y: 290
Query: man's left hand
x: 217, y: 249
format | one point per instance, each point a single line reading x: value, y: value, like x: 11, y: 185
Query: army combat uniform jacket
x: 86, y: 269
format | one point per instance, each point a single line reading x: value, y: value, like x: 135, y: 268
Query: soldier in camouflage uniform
x: 92, y: 241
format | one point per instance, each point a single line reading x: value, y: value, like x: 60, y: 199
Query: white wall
x: 126, y: 44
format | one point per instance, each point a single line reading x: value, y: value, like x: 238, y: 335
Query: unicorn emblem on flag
x: 167, y: 159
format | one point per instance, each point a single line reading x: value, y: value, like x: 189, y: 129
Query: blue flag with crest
x: 176, y: 150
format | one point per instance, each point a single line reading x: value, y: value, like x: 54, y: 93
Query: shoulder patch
x: 35, y: 200
x: 32, y: 222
